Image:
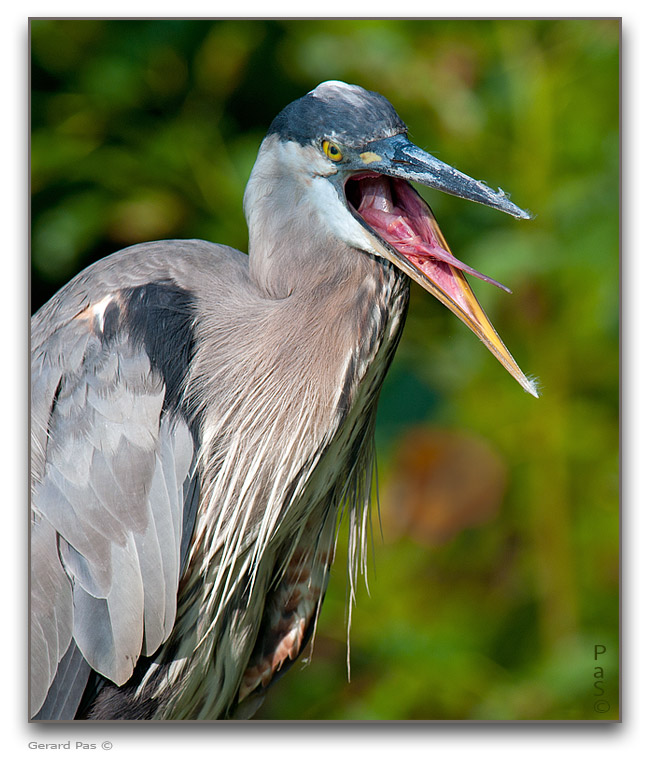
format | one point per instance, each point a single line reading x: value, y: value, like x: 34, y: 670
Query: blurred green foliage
x: 149, y: 129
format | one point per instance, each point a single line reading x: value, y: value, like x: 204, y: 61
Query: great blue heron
x: 202, y: 417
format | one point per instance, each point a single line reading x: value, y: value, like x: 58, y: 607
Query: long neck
x: 292, y: 248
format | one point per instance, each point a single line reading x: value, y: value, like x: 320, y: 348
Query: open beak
x: 382, y: 199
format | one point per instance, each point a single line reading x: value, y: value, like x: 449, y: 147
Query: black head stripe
x: 338, y: 111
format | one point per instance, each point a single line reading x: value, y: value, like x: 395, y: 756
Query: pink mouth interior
x: 400, y: 217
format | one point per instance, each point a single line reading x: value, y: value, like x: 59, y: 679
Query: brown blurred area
x: 440, y: 483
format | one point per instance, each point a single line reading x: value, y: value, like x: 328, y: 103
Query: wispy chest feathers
x: 282, y: 454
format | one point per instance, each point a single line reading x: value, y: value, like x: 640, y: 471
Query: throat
x: 378, y: 310
x: 302, y: 265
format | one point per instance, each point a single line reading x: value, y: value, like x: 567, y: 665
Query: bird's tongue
x: 398, y: 214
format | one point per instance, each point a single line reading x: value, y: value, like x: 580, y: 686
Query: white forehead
x: 352, y: 93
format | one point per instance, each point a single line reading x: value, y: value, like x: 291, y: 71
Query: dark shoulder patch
x: 160, y: 315
x: 111, y: 321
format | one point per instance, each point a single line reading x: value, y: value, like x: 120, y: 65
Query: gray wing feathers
x: 160, y: 568
x: 108, y: 505
x: 51, y: 611
x: 46, y: 372
x: 108, y: 630
x: 68, y: 687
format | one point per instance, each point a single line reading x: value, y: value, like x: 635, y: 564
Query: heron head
x: 348, y: 154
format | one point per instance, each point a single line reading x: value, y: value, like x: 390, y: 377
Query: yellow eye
x: 332, y: 151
